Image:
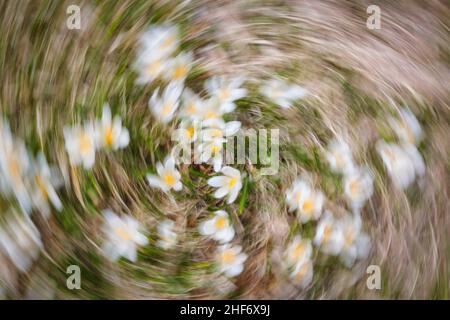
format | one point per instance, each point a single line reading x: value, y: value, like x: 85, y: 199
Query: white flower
x: 167, y: 236
x: 122, y: 236
x: 293, y: 194
x: 298, y: 251
x: 46, y: 180
x: 403, y: 163
x: 80, y: 144
x: 307, y: 201
x: 193, y: 105
x: 211, y: 151
x: 229, y: 184
x: 358, y: 186
x: 217, y: 128
x: 110, y: 133
x: 213, y: 137
x: 163, y: 108
x: 179, y: 67
x: 159, y: 42
x: 407, y: 127
x: 211, y: 109
x: 168, y: 176
x: 226, y: 90
x: 303, y: 273
x: 328, y: 235
x: 356, y: 245
x: 282, y: 93
x: 230, y: 259
x: 339, y: 156
x: 14, y: 167
x: 149, y: 67
x: 186, y: 132
x: 218, y: 227
x: 20, y: 240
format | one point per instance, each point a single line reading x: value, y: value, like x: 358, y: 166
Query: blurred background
x: 359, y: 82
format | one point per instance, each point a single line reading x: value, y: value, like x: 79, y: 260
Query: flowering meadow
x: 113, y: 142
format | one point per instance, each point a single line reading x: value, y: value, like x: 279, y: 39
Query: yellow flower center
x: 349, y: 236
x: 85, y: 144
x: 308, y: 206
x: 216, y: 133
x: 210, y: 115
x: 108, y: 136
x: 153, y: 68
x: 167, y: 42
x: 232, y: 182
x: 354, y: 187
x: 190, y: 132
x: 180, y: 72
x: 228, y: 256
x: 41, y: 185
x: 298, y: 251
x: 224, y: 94
x: 339, y: 160
x: 301, y: 273
x: 191, y: 108
x: 169, y: 179
x: 122, y: 233
x: 14, y: 170
x: 215, y: 149
x: 166, y: 108
x: 221, y: 222
x: 326, y: 233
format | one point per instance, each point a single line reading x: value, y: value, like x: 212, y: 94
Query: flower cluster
x: 82, y: 141
x: 32, y: 183
x: 339, y: 237
x: 201, y: 124
x: 403, y: 161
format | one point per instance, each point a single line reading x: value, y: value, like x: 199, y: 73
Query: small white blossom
x: 164, y: 108
x: 218, y: 227
x: 356, y: 244
x: 307, y: 201
x: 358, y: 187
x: 229, y: 184
x: 168, y: 176
x: 230, y: 259
x: 21, y: 241
x: 298, y: 251
x: 14, y: 167
x: 109, y: 132
x: 339, y: 156
x: 193, y: 106
x: 159, y: 42
x: 226, y: 90
x: 281, y: 93
x: 403, y: 163
x: 303, y: 273
x: 179, y: 67
x: 123, y: 236
x: 167, y: 235
x: 407, y: 127
x: 80, y: 144
x: 328, y: 235
x: 46, y: 181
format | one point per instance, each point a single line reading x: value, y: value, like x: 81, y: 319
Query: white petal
x: 218, y: 181
x: 207, y: 227
x: 225, y: 235
x: 220, y: 193
x: 231, y: 172
x: 234, y: 270
x: 156, y: 182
